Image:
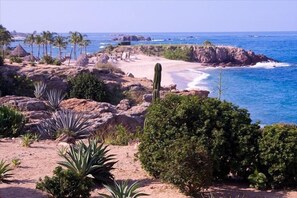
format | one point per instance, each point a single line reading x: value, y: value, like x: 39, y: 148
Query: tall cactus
x: 157, y: 82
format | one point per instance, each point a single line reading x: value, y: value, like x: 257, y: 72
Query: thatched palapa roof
x: 19, y: 51
x: 82, y: 60
x: 30, y: 58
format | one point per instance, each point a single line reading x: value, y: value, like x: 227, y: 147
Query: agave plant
x: 54, y: 98
x: 123, y: 190
x: 91, y: 159
x: 40, y: 88
x: 4, y: 171
x: 65, y: 123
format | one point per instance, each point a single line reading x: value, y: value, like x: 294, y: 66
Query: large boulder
x: 82, y: 60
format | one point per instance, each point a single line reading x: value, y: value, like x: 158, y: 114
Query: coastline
x: 143, y: 67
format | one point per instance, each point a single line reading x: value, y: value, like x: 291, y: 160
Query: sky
x: 149, y: 15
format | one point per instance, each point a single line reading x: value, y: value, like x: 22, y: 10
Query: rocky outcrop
x: 131, y: 38
x: 82, y: 60
x: 100, y: 115
x: 207, y: 55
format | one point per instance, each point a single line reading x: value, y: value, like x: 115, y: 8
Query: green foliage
x: 48, y: 60
x: 4, y: 171
x: 1, y: 61
x: 40, y: 88
x: 11, y: 122
x: 65, y: 184
x: 223, y: 129
x: 27, y: 140
x: 278, y: 155
x: 123, y: 190
x: 16, y: 162
x: 87, y: 86
x: 178, y: 53
x: 207, y: 44
x: 14, y: 84
x: 57, y: 62
x: 188, y: 166
x: 15, y: 59
x: 110, y: 67
x: 258, y: 180
x: 65, y: 123
x: 54, y: 98
x: 121, y: 136
x: 157, y: 82
x: 91, y: 159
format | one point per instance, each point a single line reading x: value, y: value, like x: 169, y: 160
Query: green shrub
x: 92, y: 159
x: 118, y: 136
x: 11, y: 122
x: 14, y: 84
x: 27, y: 140
x: 184, y: 54
x: 48, y: 60
x: 4, y: 171
x: 57, y: 62
x: 1, y: 61
x: 278, y: 155
x: 123, y: 190
x: 188, y: 166
x: 223, y: 129
x: 65, y: 184
x: 110, y: 67
x: 258, y: 180
x: 87, y: 86
x: 15, y: 59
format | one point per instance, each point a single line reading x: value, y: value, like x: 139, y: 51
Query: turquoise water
x: 268, y: 92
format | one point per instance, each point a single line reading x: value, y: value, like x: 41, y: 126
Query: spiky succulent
x: 123, y: 190
x: 40, y: 88
x: 54, y: 98
x: 65, y: 123
x: 92, y: 159
x: 4, y: 171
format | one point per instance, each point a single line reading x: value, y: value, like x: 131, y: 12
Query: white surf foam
x: 102, y: 47
x: 199, y: 80
x: 158, y: 40
x: 270, y: 65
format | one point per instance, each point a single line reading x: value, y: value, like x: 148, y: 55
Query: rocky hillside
x: 208, y: 55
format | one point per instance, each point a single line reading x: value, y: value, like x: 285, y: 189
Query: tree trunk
x: 38, y: 51
x: 60, y: 53
x: 74, y: 51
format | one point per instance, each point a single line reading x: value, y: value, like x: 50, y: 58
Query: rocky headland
x: 101, y: 115
x: 206, y: 55
x: 131, y: 38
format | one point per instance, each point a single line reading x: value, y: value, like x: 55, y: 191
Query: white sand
x: 143, y: 66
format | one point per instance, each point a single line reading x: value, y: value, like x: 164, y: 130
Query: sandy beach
x: 173, y: 71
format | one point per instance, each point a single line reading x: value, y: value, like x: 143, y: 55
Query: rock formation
x: 132, y: 38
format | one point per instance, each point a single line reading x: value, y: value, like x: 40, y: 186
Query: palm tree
x: 75, y: 38
x: 83, y: 44
x: 30, y: 40
x: 38, y: 42
x: 5, y: 39
x: 48, y: 39
x: 61, y: 43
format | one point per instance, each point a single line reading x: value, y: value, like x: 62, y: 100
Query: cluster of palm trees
x: 48, y: 39
x: 5, y: 39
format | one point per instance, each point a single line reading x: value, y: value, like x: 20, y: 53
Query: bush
x: 1, y: 61
x: 11, y: 122
x: 223, y: 129
x: 65, y: 184
x: 14, y: 84
x: 109, y: 67
x: 57, y: 62
x: 91, y: 159
x: 258, y: 180
x: 4, y: 171
x: 15, y: 59
x: 48, y: 60
x: 87, y: 86
x: 178, y: 54
x: 188, y: 166
x: 278, y: 155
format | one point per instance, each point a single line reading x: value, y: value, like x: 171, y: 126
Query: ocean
x: 268, y: 90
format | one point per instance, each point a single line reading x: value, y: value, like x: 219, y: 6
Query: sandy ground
x: 143, y: 66
x: 41, y: 158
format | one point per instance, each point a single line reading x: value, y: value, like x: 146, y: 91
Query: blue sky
x: 149, y: 15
